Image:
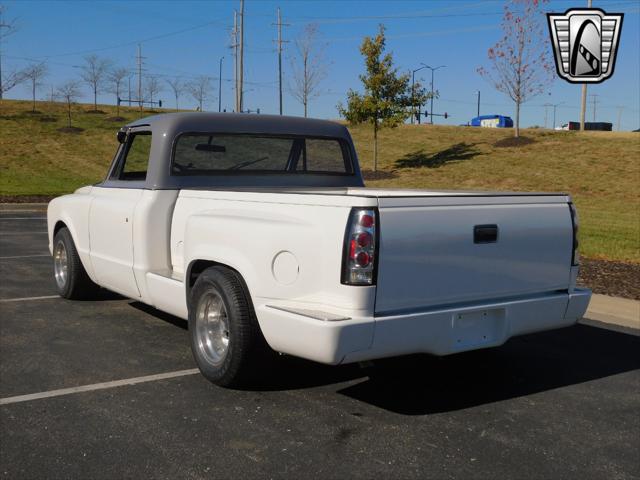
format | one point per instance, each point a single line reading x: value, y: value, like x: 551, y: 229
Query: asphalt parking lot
x: 557, y: 404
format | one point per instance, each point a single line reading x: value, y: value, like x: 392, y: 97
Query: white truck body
x: 435, y: 289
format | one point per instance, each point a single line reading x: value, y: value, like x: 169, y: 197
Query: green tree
x: 387, y: 97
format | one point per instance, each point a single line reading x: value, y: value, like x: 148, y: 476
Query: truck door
x: 112, y: 214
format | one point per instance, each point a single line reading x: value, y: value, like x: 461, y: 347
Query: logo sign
x: 585, y: 42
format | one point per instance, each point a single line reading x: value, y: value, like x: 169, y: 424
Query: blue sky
x: 187, y: 39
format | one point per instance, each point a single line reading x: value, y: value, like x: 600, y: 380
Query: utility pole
x: 620, y: 108
x: 2, y: 25
x: 241, y: 62
x: 595, y: 101
x: 546, y: 109
x: 433, y: 70
x: 220, y: 85
x: 234, y: 48
x: 280, y: 42
x: 583, y: 103
x: 479, y: 104
x: 555, y: 105
x: 10, y: 28
x: 139, y: 59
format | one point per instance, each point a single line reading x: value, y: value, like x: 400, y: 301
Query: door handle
x: 485, y: 234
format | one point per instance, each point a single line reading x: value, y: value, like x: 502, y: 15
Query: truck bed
x: 428, y: 256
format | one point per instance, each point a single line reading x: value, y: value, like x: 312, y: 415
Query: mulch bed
x: 71, y: 130
x: 514, y: 142
x: 611, y: 278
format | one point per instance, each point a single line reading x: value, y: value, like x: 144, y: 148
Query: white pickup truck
x: 259, y: 231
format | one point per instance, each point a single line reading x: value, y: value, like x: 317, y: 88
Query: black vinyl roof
x: 177, y: 123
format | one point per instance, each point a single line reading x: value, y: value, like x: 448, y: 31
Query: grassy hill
x: 600, y: 169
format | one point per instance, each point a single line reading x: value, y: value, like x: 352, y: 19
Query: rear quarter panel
x: 285, y: 251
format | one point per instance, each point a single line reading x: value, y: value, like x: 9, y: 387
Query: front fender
x: 73, y: 211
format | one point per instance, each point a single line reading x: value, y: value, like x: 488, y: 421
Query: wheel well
x: 59, y: 224
x: 198, y: 266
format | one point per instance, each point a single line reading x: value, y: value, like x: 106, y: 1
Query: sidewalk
x: 613, y: 310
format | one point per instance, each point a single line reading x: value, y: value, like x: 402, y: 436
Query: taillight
x: 360, y: 248
x: 575, y: 256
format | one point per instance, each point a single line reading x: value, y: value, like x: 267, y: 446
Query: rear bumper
x: 439, y: 332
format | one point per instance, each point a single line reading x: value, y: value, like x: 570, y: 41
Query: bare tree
x: 13, y: 77
x: 521, y: 66
x: 34, y: 75
x: 152, y: 87
x: 10, y: 80
x: 177, y: 87
x: 200, y: 89
x: 94, y: 73
x: 69, y: 93
x: 116, y: 78
x: 308, y: 66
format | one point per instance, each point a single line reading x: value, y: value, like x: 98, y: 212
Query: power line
x: 134, y: 42
x: 326, y: 20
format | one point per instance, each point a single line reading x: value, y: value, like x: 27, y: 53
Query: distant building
x: 492, y: 121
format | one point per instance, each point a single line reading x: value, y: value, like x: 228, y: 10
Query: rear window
x: 212, y: 154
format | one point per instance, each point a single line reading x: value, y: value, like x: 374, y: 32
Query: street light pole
x: 413, y: 92
x: 220, y: 85
x: 433, y: 69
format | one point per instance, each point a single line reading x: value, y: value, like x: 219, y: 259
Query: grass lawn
x: 601, y: 170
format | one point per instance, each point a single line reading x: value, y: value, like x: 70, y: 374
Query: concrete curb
x: 614, y: 310
x: 23, y: 207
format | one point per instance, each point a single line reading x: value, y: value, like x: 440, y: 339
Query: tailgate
x: 442, y: 251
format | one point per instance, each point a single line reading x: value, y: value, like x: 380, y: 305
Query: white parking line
x: 26, y: 299
x: 97, y: 386
x: 25, y: 256
x: 20, y: 233
x: 23, y: 218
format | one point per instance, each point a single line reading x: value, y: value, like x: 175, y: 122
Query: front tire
x: 71, y: 278
x: 226, y: 341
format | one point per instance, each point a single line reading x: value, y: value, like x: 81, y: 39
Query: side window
x: 133, y: 166
x: 323, y: 155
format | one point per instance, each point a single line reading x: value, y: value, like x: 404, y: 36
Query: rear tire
x: 71, y: 278
x: 226, y: 341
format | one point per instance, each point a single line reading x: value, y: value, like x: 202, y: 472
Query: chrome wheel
x: 60, y: 264
x: 212, y: 327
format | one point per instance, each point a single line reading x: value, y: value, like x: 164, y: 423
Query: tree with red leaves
x: 521, y: 65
